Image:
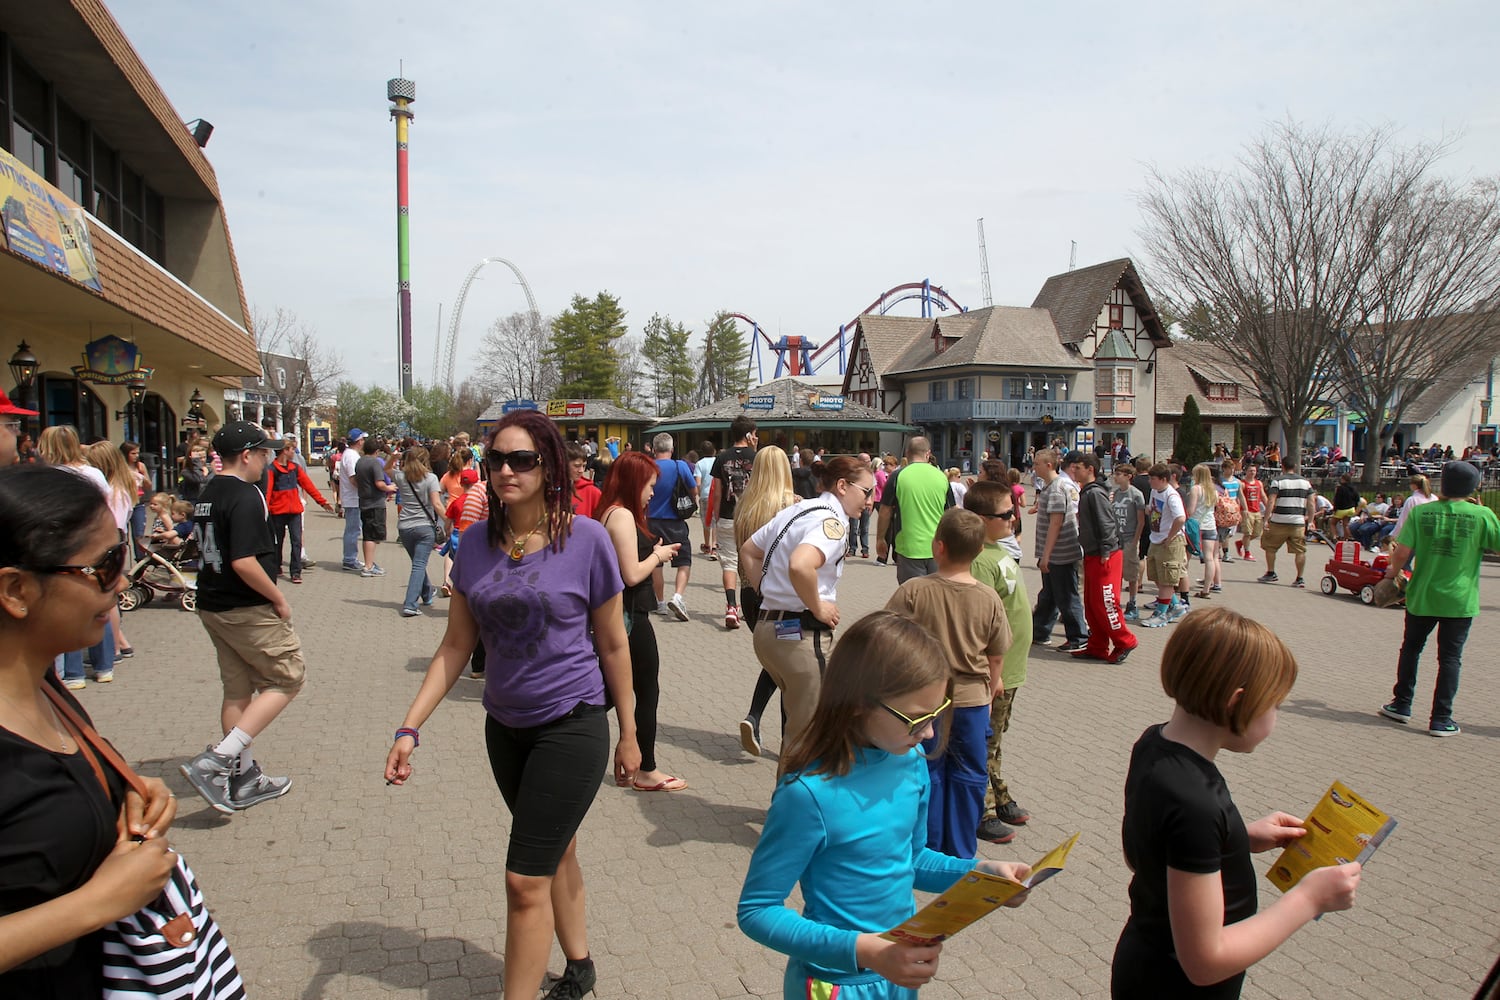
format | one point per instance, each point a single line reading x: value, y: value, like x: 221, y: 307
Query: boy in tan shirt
x: 969, y: 621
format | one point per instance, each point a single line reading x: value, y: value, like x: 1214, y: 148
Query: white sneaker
x: 678, y: 608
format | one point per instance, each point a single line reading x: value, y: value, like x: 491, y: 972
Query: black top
x: 639, y: 597
x: 805, y: 484
x: 1345, y: 497
x: 369, y: 471
x: 732, y: 468
x: 232, y: 521
x: 56, y: 829
x: 1178, y: 814
x: 1098, y: 530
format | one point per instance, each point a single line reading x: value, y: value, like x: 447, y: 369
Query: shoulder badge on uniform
x: 835, y: 527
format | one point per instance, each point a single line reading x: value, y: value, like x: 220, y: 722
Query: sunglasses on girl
x: 915, y: 726
x: 106, y: 572
x: 519, y: 461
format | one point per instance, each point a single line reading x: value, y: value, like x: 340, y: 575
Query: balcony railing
x: 1023, y: 411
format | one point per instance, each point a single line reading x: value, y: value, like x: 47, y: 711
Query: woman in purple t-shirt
x: 531, y: 583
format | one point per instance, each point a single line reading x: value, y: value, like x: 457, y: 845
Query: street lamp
x: 194, y: 418
x: 23, y: 366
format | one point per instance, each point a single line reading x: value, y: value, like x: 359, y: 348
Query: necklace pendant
x: 518, y: 550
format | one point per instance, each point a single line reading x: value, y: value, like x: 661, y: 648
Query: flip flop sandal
x: 665, y: 785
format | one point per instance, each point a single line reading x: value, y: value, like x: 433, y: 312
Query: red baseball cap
x: 468, y: 477
x: 6, y: 406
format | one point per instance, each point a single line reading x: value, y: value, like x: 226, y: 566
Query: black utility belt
x: 809, y: 621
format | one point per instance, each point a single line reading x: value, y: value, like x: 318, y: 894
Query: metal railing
x: 1001, y: 411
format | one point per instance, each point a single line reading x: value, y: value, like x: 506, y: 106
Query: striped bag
x: 171, y: 948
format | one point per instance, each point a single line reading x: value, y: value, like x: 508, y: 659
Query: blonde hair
x: 58, y: 445
x: 767, y: 494
x: 1203, y: 478
x: 1417, y: 482
x: 415, y: 466
x: 106, y: 457
x: 1215, y: 652
x: 882, y: 656
x: 953, y: 475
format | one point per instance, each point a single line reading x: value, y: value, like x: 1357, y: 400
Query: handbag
x: 171, y: 948
x: 439, y: 530
x: 682, y: 495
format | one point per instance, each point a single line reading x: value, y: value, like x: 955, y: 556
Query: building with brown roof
x: 113, y: 235
x: 1077, y: 365
x: 1225, y: 394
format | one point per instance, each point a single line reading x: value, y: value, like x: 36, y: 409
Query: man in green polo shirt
x: 913, y: 502
x: 1446, y: 540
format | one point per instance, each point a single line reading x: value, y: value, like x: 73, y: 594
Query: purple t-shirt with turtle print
x: 533, y: 616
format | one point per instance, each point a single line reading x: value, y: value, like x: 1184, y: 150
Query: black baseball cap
x: 238, y: 436
x: 1072, y: 458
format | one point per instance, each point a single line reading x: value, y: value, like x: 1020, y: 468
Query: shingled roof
x: 888, y: 337
x: 791, y: 406
x: 996, y: 335
x: 1186, y: 370
x: 1075, y: 298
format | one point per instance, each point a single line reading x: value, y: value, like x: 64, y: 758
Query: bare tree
x: 1275, y: 259
x: 631, y: 376
x: 511, y: 363
x: 1426, y: 309
x: 281, y: 334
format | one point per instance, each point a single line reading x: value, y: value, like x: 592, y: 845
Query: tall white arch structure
x: 450, y: 356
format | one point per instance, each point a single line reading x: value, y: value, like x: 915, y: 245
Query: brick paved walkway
x: 348, y: 888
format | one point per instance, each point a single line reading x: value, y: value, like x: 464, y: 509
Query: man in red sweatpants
x: 1110, y: 639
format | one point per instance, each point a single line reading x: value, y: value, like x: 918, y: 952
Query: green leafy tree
x: 582, y: 348
x: 1192, y: 437
x: 654, y: 351
x: 725, y: 353
x: 431, y: 406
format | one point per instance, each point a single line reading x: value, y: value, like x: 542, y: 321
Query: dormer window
x: 1227, y: 391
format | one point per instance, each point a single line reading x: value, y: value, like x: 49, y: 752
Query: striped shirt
x: 1289, y: 497
x: 1058, y: 497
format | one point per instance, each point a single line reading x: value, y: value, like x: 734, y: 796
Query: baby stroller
x: 166, y: 570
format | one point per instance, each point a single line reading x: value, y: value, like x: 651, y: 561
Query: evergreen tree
x: 1192, y: 438
x: 725, y: 354
x: 681, y: 375
x: 654, y: 352
x: 582, y: 349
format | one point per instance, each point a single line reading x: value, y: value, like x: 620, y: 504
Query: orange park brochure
x: 975, y: 895
x: 1342, y: 828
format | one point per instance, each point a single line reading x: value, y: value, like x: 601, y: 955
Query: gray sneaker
x: 678, y: 608
x: 372, y: 570
x: 255, y: 786
x: 209, y: 775
x: 1178, y: 613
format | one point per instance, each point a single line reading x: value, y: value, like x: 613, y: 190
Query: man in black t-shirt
x: 374, y: 492
x: 248, y: 619
x: 731, y: 475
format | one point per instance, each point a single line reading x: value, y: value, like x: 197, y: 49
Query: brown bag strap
x: 88, y: 737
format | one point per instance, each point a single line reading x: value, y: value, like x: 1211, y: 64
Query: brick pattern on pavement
x: 348, y: 888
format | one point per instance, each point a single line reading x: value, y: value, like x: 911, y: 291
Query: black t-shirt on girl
x: 56, y: 829
x: 232, y: 521
x: 1178, y: 814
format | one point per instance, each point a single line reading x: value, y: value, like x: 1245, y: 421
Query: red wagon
x: 1348, y: 569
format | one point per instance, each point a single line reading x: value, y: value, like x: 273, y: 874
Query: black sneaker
x: 1013, y: 813
x: 995, y: 831
x: 1073, y: 644
x: 750, y: 736
x: 1396, y: 713
x: 209, y: 775
x: 255, y: 786
x: 1443, y: 727
x: 1267, y: 578
x: 1299, y: 583
x: 577, y: 980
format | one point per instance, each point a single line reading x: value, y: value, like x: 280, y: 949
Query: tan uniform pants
x: 797, y: 668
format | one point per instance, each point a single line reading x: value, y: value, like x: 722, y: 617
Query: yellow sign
x: 42, y: 225
x: 557, y: 407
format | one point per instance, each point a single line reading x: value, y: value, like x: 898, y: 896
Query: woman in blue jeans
x: 419, y: 497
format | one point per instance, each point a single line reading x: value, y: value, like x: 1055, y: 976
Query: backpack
x: 736, y: 478
x: 682, y: 494
x: 1226, y: 511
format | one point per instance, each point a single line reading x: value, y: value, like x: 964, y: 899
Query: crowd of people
x: 560, y: 560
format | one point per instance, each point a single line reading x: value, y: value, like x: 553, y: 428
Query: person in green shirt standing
x: 913, y: 502
x: 1446, y: 540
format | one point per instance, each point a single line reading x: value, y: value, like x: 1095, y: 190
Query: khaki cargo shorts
x: 258, y: 651
x: 1250, y: 525
x: 1166, y: 562
x: 1291, y: 535
x: 729, y: 555
x: 1130, y: 570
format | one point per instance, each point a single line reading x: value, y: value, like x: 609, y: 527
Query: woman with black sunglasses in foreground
x: 69, y: 860
x: 533, y: 580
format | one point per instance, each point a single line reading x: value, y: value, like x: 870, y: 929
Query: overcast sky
x: 789, y: 161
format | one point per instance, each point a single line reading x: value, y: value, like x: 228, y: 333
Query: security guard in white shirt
x: 795, y: 561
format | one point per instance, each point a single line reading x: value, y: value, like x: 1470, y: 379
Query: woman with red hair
x: 622, y: 511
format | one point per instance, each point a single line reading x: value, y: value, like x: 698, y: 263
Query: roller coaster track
x: 451, y: 354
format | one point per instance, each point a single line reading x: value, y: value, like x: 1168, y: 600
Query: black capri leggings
x: 645, y: 681
x: 548, y: 776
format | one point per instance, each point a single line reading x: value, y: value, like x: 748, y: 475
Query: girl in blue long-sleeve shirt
x: 849, y: 822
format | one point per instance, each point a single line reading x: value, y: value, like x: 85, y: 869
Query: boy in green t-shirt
x: 997, y: 569
x: 1446, y: 542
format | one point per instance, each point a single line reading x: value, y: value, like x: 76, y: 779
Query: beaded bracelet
x: 416, y: 738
